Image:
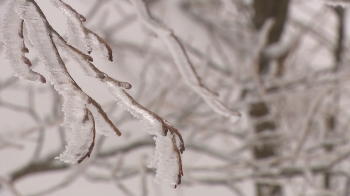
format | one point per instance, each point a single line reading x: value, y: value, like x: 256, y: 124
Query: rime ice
x: 83, y: 115
x: 12, y: 37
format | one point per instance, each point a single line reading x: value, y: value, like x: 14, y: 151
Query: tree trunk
x: 265, y: 9
x: 277, y: 10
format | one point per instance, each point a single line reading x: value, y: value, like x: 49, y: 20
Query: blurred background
x: 284, y: 64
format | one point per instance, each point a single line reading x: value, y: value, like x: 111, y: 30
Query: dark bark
x: 338, y: 50
x: 264, y: 10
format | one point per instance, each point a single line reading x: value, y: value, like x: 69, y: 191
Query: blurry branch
x: 182, y: 60
x: 306, y: 129
x: 8, y: 82
x: 9, y: 186
x: 307, y: 27
x: 44, y: 164
x: 339, y: 48
x: 6, y: 143
x: 125, y: 190
x: 221, y: 32
x: 344, y: 3
x: 77, y: 171
x: 95, y: 8
x: 143, y: 170
x: 301, y: 146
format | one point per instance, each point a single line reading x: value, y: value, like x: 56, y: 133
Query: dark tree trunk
x: 277, y: 10
x: 265, y: 9
x: 340, y: 13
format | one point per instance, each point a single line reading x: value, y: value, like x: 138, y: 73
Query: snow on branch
x: 12, y: 37
x: 169, y: 143
x: 81, y: 37
x: 83, y: 115
x: 182, y: 60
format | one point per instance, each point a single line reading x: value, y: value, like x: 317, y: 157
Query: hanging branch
x: 83, y: 114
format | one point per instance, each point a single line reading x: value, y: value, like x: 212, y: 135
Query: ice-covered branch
x: 80, y: 110
x: 81, y: 37
x: 182, y: 60
x: 12, y: 37
x: 169, y: 143
x: 83, y: 115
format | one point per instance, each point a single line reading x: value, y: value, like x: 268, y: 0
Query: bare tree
x: 257, y: 90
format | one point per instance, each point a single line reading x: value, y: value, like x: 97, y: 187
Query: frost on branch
x: 103, y: 125
x: 81, y: 37
x: 82, y: 114
x: 12, y: 37
x: 169, y: 143
x: 182, y: 61
x: 81, y: 139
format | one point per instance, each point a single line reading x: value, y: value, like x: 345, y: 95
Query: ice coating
x: 76, y: 116
x: 77, y: 36
x: 80, y: 140
x: 68, y: 51
x: 14, y: 46
x: 169, y: 143
x: 103, y: 124
x: 81, y: 37
x: 82, y: 114
x: 166, y: 161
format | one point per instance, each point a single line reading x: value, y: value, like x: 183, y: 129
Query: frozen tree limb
x: 77, y: 103
x: 169, y: 147
x: 182, y: 60
x: 82, y: 113
x: 75, y: 99
x: 81, y: 37
x: 14, y: 46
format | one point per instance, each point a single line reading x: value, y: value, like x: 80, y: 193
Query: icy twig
x: 82, y: 113
x: 156, y: 125
x: 14, y: 46
x: 81, y: 37
x: 182, y: 60
x: 77, y: 116
x: 169, y: 143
